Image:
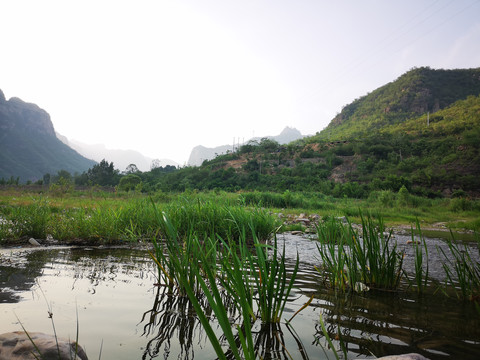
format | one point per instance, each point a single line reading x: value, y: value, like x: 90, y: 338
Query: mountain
x: 418, y: 92
x: 29, y: 147
x: 201, y: 153
x: 120, y: 158
x: 418, y: 134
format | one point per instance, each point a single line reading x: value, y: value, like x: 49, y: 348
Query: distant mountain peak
x: 201, y: 153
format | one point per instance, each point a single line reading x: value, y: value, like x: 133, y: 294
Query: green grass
x: 105, y: 217
x: 111, y: 220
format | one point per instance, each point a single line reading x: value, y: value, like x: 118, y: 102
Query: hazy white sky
x: 161, y: 76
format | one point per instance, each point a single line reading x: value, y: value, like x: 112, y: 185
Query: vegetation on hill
x: 416, y: 93
x: 417, y: 135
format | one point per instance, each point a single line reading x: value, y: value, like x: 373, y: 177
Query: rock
x: 360, y: 287
x: 411, y: 356
x: 413, y: 242
x: 33, y: 242
x: 50, y: 240
x: 16, y: 345
x: 303, y: 220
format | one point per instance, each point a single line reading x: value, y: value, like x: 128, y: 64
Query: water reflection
x: 392, y: 323
x: 171, y: 319
x: 18, y: 272
x: 114, y: 291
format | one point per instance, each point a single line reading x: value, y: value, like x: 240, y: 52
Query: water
x: 111, y: 293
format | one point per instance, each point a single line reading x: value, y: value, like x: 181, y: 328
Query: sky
x: 161, y: 77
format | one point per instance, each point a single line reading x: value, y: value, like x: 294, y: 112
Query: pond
x: 113, y: 296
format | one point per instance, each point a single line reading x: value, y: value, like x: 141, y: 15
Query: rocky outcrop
x: 36, y: 345
x: 29, y: 148
x: 201, y: 153
x: 26, y: 116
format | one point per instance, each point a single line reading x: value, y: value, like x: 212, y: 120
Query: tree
x: 46, y: 179
x: 63, y: 176
x: 155, y: 164
x: 129, y: 182
x: 131, y: 169
x: 103, y: 174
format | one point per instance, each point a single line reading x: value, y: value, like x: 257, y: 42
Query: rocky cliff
x: 29, y: 147
x: 21, y: 115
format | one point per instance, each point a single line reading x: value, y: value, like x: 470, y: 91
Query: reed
x: 177, y: 258
x: 197, y: 287
x: 462, y: 272
x: 421, y: 258
x: 380, y: 264
x: 264, y: 272
x: 354, y: 262
x: 271, y: 280
x: 253, y: 274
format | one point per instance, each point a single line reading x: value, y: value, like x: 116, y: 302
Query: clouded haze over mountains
x: 161, y: 77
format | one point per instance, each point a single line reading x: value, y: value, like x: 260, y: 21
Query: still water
x: 113, y: 296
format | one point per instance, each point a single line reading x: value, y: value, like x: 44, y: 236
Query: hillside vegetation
x: 416, y: 135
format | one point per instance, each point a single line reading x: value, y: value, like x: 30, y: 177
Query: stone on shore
x: 16, y: 345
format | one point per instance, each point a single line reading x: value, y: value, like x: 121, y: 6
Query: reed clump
x: 462, y: 270
x: 356, y: 259
x: 201, y: 264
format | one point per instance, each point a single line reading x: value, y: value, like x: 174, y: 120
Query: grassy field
x: 107, y: 217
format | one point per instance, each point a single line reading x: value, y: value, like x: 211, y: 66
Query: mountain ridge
x: 29, y: 147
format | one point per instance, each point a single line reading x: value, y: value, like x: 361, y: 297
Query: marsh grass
x: 421, y: 259
x: 354, y: 261
x: 205, y: 217
x: 461, y: 270
x: 203, y: 264
x: 113, y: 220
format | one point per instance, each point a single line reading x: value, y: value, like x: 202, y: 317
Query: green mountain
x: 29, y: 147
x: 420, y: 132
x: 416, y: 93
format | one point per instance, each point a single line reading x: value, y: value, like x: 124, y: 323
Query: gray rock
x: 33, y: 242
x: 16, y: 345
